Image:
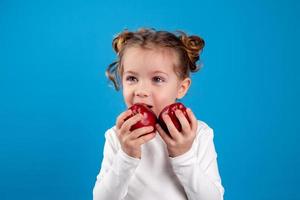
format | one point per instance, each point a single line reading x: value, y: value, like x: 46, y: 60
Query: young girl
x: 153, y: 67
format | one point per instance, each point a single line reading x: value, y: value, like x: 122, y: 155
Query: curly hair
x: 188, y: 48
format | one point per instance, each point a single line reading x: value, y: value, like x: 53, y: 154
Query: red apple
x: 149, y: 117
x: 170, y: 110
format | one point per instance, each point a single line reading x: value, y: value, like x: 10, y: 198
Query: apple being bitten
x: 149, y: 117
x: 170, y: 110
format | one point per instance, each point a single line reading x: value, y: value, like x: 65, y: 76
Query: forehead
x: 155, y: 58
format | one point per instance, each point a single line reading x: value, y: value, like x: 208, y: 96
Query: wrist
x: 178, y: 151
x: 132, y: 153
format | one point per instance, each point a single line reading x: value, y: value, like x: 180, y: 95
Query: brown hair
x: 187, y: 48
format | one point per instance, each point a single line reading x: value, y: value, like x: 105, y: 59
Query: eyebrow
x: 135, y: 73
x: 157, y: 71
x: 130, y: 72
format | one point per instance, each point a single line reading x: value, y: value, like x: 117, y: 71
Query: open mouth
x: 149, y: 106
x: 146, y: 105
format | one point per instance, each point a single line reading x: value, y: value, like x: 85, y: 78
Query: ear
x: 183, y: 87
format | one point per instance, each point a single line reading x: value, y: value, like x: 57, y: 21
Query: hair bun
x: 121, y: 39
x: 193, y: 46
x: 194, y: 43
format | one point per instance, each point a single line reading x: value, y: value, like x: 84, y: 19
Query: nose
x: 142, y: 93
x: 142, y: 90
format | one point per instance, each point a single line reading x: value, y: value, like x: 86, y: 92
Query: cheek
x: 127, y: 96
x: 164, y: 98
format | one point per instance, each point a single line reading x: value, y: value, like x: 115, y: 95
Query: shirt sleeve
x: 197, y: 169
x: 116, y: 170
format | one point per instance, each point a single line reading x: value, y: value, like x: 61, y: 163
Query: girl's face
x: 149, y: 77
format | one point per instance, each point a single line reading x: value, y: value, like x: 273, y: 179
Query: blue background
x: 55, y: 101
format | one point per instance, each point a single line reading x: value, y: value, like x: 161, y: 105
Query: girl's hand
x: 131, y: 141
x: 179, y: 142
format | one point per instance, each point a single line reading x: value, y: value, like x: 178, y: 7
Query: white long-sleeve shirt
x: 193, y: 175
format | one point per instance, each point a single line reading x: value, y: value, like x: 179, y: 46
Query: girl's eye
x: 158, y: 79
x: 131, y: 78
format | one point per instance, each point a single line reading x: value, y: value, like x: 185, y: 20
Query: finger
x: 121, y: 118
x: 131, y: 121
x: 194, y: 121
x: 145, y: 138
x: 171, y: 127
x: 185, y: 125
x: 141, y: 131
x: 166, y: 137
